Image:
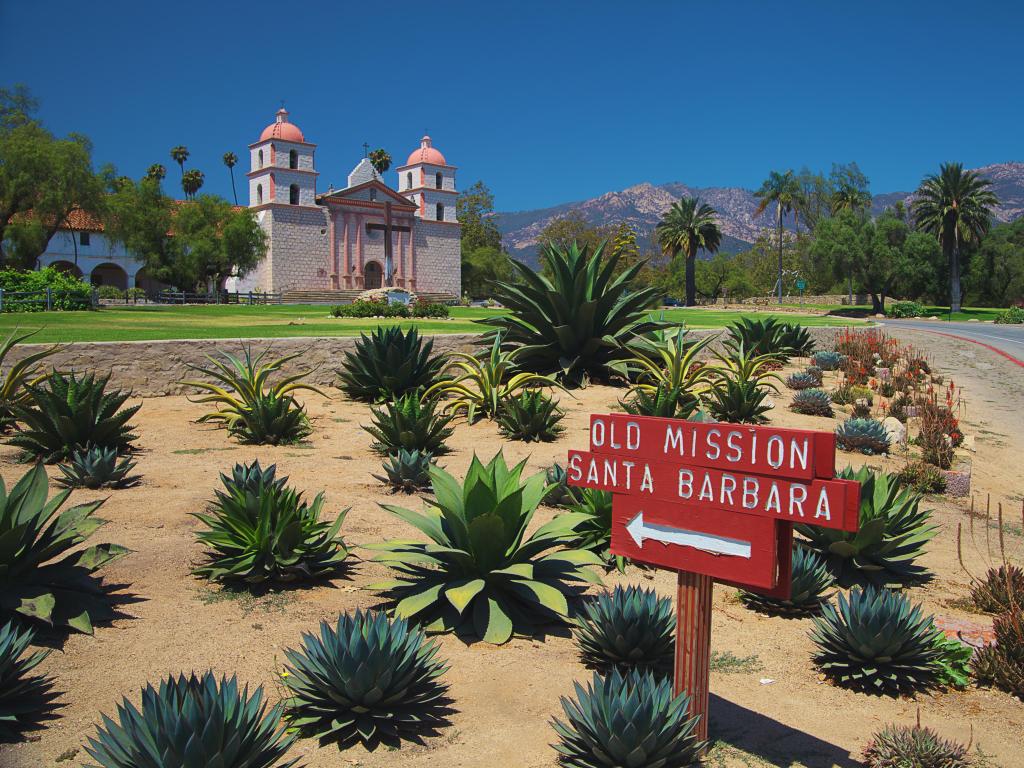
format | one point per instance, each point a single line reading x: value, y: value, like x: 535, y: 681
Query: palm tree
x: 956, y: 206
x: 784, y: 190
x: 156, y: 172
x: 849, y: 198
x: 380, y: 160
x: 230, y: 160
x: 179, y: 154
x: 687, y: 227
x: 191, y: 181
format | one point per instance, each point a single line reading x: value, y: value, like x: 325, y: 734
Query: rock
x: 879, y: 316
x: 895, y: 429
x: 933, y: 317
x: 968, y: 444
x: 973, y: 320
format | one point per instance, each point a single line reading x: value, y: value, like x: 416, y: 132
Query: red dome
x: 282, y: 129
x: 426, y: 154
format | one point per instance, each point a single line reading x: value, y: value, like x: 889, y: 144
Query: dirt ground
x: 769, y: 706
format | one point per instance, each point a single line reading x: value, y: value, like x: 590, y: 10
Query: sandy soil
x: 774, y: 711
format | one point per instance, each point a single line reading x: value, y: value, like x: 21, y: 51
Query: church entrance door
x: 372, y: 275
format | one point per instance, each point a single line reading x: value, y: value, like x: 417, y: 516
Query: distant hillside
x: 642, y: 206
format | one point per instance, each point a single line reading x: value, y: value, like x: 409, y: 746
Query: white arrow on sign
x: 666, y: 534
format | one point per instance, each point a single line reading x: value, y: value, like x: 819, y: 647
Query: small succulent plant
x: 1002, y: 663
x: 25, y: 697
x: 627, y: 629
x: 408, y: 423
x: 816, y: 373
x: 1000, y: 590
x: 827, y: 360
x: 810, y: 588
x: 812, y: 402
x: 896, y: 746
x: 530, y: 416
x: 560, y: 494
x: 801, y: 380
x: 96, y: 467
x: 407, y: 471
x: 663, y: 401
x: 866, y: 436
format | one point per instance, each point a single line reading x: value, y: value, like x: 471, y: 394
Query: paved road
x: 1008, y: 339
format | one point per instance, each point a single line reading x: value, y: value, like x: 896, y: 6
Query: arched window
x: 293, y: 159
x: 259, y: 161
x: 437, y: 179
x: 293, y: 194
x: 408, y: 180
x: 259, y: 193
x: 440, y: 211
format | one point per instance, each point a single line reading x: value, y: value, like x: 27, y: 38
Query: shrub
x: 896, y: 746
x: 877, y: 641
x: 67, y: 291
x: 261, y: 531
x: 922, y: 478
x: 810, y: 588
x: 44, y: 575
x: 812, y: 402
x: 892, y: 534
x: 407, y: 471
x: 481, y: 574
x: 110, y: 292
x: 367, y: 679
x: 26, y: 371
x: 410, y: 424
x: 430, y: 309
x: 1001, y: 590
x: 559, y: 493
x: 364, y: 308
x: 25, y: 698
x: 801, y: 380
x: 194, y: 721
x: 389, y: 363
x: 847, y: 394
x: 627, y: 720
x: 252, y: 409
x: 1002, y: 663
x: 97, y: 468
x: 629, y: 628
x: 65, y: 413
x: 939, y: 433
x: 577, y: 324
x: 530, y: 416
x: 594, y: 531
x: 905, y: 309
x: 827, y: 360
x: 862, y: 435
x: 1011, y: 316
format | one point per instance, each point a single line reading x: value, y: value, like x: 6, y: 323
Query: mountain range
x: 642, y: 206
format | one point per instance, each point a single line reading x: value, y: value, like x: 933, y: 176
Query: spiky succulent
x: 815, y: 373
x: 892, y: 534
x: 664, y: 401
x: 811, y: 586
x: 744, y: 380
x: 631, y: 719
x: 480, y: 574
x: 407, y: 471
x: 366, y: 679
x: 801, y: 380
x: 902, y: 746
x: 193, y: 722
x: 530, y: 416
x: 1002, y: 663
x: 877, y: 641
x: 863, y: 435
x: 411, y: 424
x: 16, y: 376
x: 1000, y: 590
x: 626, y: 629
x: 25, y: 698
x: 812, y: 402
x: 827, y: 360
x: 796, y: 340
x: 560, y: 493
x: 594, y: 531
x: 771, y: 336
x: 43, y: 574
x: 65, y: 413
x: 389, y: 363
x: 96, y: 467
x: 252, y: 477
x: 262, y: 531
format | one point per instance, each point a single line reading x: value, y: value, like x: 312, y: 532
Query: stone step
x: 348, y: 295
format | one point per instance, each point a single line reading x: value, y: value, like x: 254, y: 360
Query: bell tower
x: 281, y: 166
x: 427, y: 180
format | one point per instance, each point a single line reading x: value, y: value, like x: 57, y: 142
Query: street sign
x: 713, y: 502
x: 800, y: 285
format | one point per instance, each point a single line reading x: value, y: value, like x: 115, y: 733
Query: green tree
x: 482, y: 267
x: 191, y: 182
x: 214, y: 241
x: 850, y: 189
x: 380, y: 160
x: 231, y: 160
x: 571, y: 228
x: 179, y: 154
x: 955, y: 206
x: 140, y: 216
x: 475, y: 210
x: 784, y: 191
x: 995, y: 271
x: 688, y: 227
x: 156, y: 172
x: 722, y: 276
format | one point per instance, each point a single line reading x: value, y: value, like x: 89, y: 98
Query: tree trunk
x: 234, y: 194
x: 779, y: 208
x: 691, y: 279
x: 954, y: 275
x: 878, y: 303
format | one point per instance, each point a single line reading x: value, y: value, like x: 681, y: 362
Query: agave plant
x: 21, y: 374
x: 485, y: 381
x: 877, y: 641
x: 407, y: 471
x: 531, y: 416
x: 741, y: 385
x: 191, y: 722
x: 44, y: 576
x: 810, y: 587
x: 664, y: 402
x: 65, y: 413
x: 827, y: 360
x: 671, y: 365
x: 1000, y: 590
x: 801, y: 380
x: 481, y: 574
x: 812, y: 402
x: 815, y: 373
x: 367, y: 679
x: 762, y: 336
x: 388, y: 364
x: 1002, y: 663
x: 892, y: 534
x: 25, y: 698
x: 899, y: 745
x: 576, y: 324
x: 796, y: 340
x: 560, y: 493
x: 627, y: 629
x: 594, y: 531
x: 260, y: 532
x: 250, y: 408
x: 410, y: 424
x: 629, y: 719
x: 95, y: 468
x: 863, y: 435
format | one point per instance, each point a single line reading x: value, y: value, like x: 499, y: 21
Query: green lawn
x: 865, y: 310
x: 143, y: 323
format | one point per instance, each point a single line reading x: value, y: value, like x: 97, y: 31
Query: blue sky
x: 547, y: 102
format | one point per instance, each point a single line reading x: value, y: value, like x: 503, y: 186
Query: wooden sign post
x: 713, y: 502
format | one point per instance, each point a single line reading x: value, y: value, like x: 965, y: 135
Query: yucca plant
x: 629, y: 628
x: 796, y: 340
x: 1002, y: 663
x: 480, y: 574
x: 632, y: 720
x: 901, y: 746
x: 1000, y: 590
x: 407, y: 471
x: 262, y: 531
x: 801, y: 380
x: 484, y: 381
x: 367, y: 679
x: 560, y: 493
x: 249, y: 406
x: 44, y: 576
x: 531, y: 416
x: 95, y: 467
x: 741, y: 385
x: 578, y: 323
x: 812, y: 402
x: 861, y: 435
x: 410, y: 424
x: 25, y: 698
x: 193, y: 722
x: 594, y: 531
x: 810, y: 588
x: 827, y: 360
x: 65, y: 413
x: 877, y: 641
x: 16, y: 377
x: 892, y: 534
x: 389, y: 363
